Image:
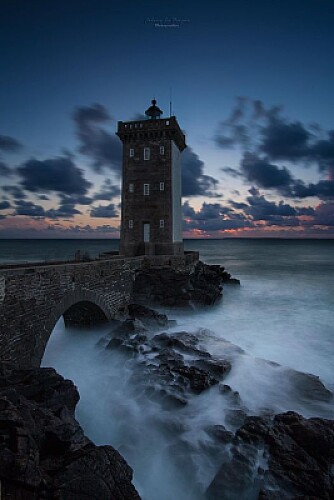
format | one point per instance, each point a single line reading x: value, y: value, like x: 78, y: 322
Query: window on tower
x: 162, y: 223
x: 162, y: 150
x: 146, y: 153
x: 131, y: 188
x: 132, y: 152
x: 146, y: 189
x: 130, y: 224
x: 162, y: 186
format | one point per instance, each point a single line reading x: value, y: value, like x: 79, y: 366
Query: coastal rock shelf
x: 178, y: 288
x: 43, y: 450
x: 266, y: 457
x: 281, y: 458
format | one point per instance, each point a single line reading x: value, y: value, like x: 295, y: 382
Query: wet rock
x: 175, y: 288
x: 235, y: 417
x: 183, y: 341
x: 233, y: 396
x: 149, y: 317
x: 216, y: 368
x: 289, y: 454
x: 43, y: 450
x: 309, y: 386
x: 196, y: 379
x: 238, y: 476
x: 220, y: 433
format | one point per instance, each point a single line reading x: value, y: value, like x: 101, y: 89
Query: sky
x: 251, y: 84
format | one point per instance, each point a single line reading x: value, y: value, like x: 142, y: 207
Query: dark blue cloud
x: 194, y: 181
x: 282, y: 140
x: 262, y: 209
x: 108, y: 191
x: 321, y: 189
x: 103, y: 148
x: 64, y: 211
x: 15, y: 191
x: 107, y: 211
x: 4, y: 205
x: 213, y: 217
x: 60, y: 175
x: 5, y: 171
x: 9, y: 144
x: 75, y: 199
x: 264, y: 174
x: 28, y: 208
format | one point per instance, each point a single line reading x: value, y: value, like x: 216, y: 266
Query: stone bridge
x: 34, y: 296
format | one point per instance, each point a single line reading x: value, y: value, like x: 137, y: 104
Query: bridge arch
x: 95, y: 300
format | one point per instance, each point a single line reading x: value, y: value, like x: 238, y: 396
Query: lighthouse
x: 151, y: 220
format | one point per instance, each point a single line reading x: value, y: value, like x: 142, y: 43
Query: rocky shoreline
x: 170, y: 288
x: 45, y: 454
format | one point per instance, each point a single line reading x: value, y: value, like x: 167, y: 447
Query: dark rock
x: 198, y: 380
x: 231, y: 281
x: 309, y: 386
x: 237, y: 478
x: 43, y: 450
x: 150, y: 319
x: 175, y: 288
x: 220, y: 433
x: 184, y: 341
x: 235, y: 417
x: 298, y: 455
x: 216, y: 368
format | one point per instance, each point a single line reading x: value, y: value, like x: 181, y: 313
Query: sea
x: 275, y: 327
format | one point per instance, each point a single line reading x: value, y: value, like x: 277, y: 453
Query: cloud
x: 64, y: 211
x: 323, y: 152
x: 108, y: 191
x: 194, y: 181
x: 259, y: 131
x: 238, y: 205
x: 104, y: 211
x: 28, y: 208
x: 5, y: 171
x: 75, y: 199
x: 262, y: 209
x: 15, y: 191
x: 57, y: 174
x: 269, y: 176
x: 253, y: 191
x: 324, y: 214
x: 263, y: 173
x: 213, y: 217
x: 4, y: 205
x: 321, y: 189
x: 282, y: 140
x: 232, y: 172
x: 103, y: 148
x: 9, y: 144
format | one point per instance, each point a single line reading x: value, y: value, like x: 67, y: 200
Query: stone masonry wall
x: 33, y: 298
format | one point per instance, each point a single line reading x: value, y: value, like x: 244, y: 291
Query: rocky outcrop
x: 172, y: 288
x: 43, y: 450
x: 172, y: 367
x: 286, y: 457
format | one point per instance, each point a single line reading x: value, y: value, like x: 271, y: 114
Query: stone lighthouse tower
x: 151, y: 190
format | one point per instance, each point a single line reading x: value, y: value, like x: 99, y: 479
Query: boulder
x: 176, y: 288
x: 43, y: 450
x: 286, y: 457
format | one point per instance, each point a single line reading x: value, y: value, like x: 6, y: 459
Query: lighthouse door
x: 146, y: 233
